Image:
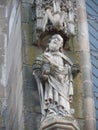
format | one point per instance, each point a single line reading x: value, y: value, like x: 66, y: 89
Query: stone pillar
x: 84, y: 50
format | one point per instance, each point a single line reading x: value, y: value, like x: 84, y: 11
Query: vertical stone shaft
x: 83, y: 43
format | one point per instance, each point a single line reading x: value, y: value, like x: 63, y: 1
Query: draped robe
x: 58, y: 86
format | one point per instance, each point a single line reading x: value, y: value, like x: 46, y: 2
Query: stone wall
x: 17, y: 53
x: 19, y: 90
x: 30, y: 94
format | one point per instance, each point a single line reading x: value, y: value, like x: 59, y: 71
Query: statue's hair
x: 61, y: 47
x: 60, y: 37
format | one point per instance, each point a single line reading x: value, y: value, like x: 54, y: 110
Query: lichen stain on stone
x: 33, y: 52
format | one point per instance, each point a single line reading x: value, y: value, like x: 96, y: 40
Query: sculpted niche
x: 53, y: 70
x: 56, y: 15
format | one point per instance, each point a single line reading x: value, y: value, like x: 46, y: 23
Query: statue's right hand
x: 44, y: 77
x: 45, y: 69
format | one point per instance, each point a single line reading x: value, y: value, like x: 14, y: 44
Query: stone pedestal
x: 59, y: 123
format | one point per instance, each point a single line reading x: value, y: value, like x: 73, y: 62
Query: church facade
x: 19, y: 46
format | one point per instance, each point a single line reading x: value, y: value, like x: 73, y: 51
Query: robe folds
x: 58, y: 85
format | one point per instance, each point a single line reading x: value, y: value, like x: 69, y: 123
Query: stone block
x: 26, y: 12
x: 81, y: 122
x: 27, y: 76
x: 31, y: 103
x: 29, y: 1
x: 59, y: 123
x: 32, y: 121
x: 27, y: 32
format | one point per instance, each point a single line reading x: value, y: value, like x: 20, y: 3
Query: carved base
x: 59, y: 123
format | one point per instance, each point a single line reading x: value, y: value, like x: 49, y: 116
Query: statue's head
x: 56, y: 42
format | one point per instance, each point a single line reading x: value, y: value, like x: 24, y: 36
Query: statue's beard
x: 53, y: 47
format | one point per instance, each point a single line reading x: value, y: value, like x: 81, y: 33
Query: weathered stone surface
x: 59, y: 123
x: 32, y: 114
x: 15, y: 115
x: 29, y: 1
x: 29, y: 80
x: 35, y: 117
x: 23, y: 111
x: 2, y: 2
x: 26, y: 12
x: 27, y: 34
x: 2, y: 12
x: 29, y: 54
x: 31, y: 99
x: 2, y: 91
x: 83, y: 42
x: 3, y: 43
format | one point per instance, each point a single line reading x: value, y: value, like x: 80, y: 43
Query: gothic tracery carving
x: 55, y: 14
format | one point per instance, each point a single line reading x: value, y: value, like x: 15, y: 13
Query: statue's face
x: 55, y: 43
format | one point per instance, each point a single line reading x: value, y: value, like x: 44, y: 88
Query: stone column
x: 83, y: 42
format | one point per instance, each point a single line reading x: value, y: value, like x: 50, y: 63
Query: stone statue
x: 53, y: 73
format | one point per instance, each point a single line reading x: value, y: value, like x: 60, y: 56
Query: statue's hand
x: 44, y: 77
x: 45, y: 74
x: 45, y: 71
